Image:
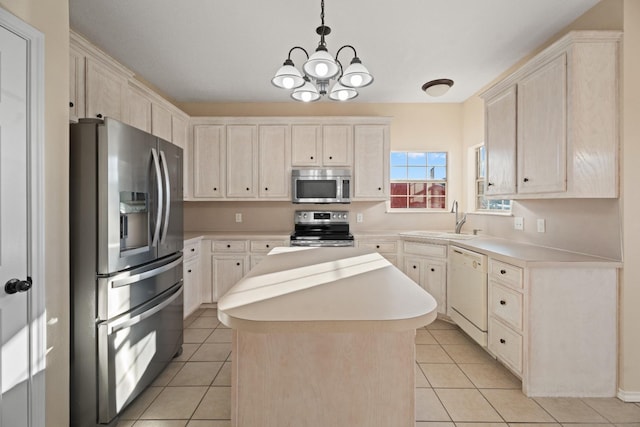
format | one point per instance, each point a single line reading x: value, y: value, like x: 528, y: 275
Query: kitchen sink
x: 445, y: 235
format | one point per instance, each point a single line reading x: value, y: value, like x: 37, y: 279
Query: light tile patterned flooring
x: 457, y: 384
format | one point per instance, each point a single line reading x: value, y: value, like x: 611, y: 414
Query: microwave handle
x: 167, y: 195
x: 156, y: 168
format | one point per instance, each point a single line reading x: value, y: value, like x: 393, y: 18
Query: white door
x: 14, y: 331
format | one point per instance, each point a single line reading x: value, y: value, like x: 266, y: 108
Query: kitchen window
x: 418, y: 180
x: 482, y: 203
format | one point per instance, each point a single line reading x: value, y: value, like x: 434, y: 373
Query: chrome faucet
x: 460, y: 220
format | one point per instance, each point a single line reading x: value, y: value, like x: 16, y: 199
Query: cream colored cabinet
x: 192, y: 275
x: 242, y: 161
x: 321, y: 145
x: 306, y: 145
x: 138, y: 109
x: 385, y: 246
x: 500, y: 142
x: 566, y: 122
x: 542, y: 133
x: 179, y: 136
x: 76, y: 84
x: 371, y: 162
x: 426, y: 264
x: 161, y: 121
x: 505, y: 308
x: 208, y: 160
x: 228, y: 265
x: 260, y: 248
x: 274, y: 150
x: 105, y: 91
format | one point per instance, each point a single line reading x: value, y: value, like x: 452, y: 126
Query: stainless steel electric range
x: 321, y: 228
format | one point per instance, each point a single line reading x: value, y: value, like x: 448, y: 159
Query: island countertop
x: 328, y: 290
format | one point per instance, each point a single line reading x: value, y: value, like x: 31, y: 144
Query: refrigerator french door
x: 126, y: 265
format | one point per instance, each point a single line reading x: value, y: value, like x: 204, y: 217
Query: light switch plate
x: 518, y: 223
x: 238, y: 217
x: 359, y: 217
x: 541, y: 225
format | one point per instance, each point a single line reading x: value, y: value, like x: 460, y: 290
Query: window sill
x: 416, y: 210
x: 490, y: 213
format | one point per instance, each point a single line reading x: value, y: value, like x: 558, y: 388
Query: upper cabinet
x: 255, y: 155
x: 551, y: 127
x: 321, y: 145
x: 105, y: 91
x: 76, y: 84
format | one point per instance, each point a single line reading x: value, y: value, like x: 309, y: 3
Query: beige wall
x: 51, y: 17
x: 630, y: 278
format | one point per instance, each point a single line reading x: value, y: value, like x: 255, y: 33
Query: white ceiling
x: 228, y: 50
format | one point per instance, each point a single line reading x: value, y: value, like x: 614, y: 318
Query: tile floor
x: 457, y: 384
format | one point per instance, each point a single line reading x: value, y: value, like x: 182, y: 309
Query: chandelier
x: 319, y: 69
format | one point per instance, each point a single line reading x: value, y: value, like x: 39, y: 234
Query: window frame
x: 428, y: 183
x: 480, y: 182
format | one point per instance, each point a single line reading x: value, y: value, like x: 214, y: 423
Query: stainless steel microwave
x: 321, y: 186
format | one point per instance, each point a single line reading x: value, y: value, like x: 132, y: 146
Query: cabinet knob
x: 228, y: 246
x: 215, y: 188
x: 489, y: 184
x: 267, y: 245
x: 247, y: 188
x: 330, y: 157
x: 99, y: 115
x: 193, y: 249
x: 433, y: 269
x: 266, y: 188
x: 503, y: 271
x: 311, y: 157
x: 379, y: 188
x: 503, y: 302
x: 526, y: 180
x: 415, y: 266
x: 188, y: 271
x: 502, y: 341
x: 377, y: 246
x: 237, y: 263
x: 71, y: 104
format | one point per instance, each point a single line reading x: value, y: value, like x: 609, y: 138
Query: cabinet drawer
x: 426, y: 249
x: 506, y: 344
x: 266, y: 245
x: 505, y: 304
x: 191, y: 251
x: 506, y: 273
x: 229, y: 246
x: 380, y: 246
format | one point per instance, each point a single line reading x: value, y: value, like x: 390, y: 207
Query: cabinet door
x: 435, y: 282
x: 161, y: 122
x: 208, y: 156
x: 191, y: 286
x: 226, y: 272
x: 105, y: 91
x: 413, y: 269
x: 274, y: 147
x: 242, y: 164
x: 306, y: 145
x: 76, y: 85
x: 179, y: 126
x: 371, y: 162
x: 500, y: 141
x: 337, y: 145
x: 542, y: 130
x: 138, y: 112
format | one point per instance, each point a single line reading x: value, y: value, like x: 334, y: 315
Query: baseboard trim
x: 629, y: 396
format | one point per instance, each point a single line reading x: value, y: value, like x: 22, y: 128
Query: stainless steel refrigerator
x: 126, y: 238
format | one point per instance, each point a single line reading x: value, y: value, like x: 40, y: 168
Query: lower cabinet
x: 426, y: 264
x: 385, y: 246
x: 192, y: 276
x: 226, y: 271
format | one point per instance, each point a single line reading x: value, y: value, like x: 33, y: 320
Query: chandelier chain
x: 322, y: 12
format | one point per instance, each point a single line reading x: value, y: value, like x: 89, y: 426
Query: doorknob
x: 16, y: 285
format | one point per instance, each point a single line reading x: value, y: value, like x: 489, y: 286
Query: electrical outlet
x: 518, y: 223
x: 238, y: 217
x: 541, y: 225
x: 359, y: 217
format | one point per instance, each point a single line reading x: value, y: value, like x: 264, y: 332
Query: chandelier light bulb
x: 287, y: 82
x: 343, y: 95
x: 322, y: 69
x: 356, y: 80
x: 306, y: 97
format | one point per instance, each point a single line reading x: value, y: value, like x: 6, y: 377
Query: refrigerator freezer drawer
x: 134, y: 348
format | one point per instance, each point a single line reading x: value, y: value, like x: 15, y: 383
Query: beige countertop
x: 326, y: 289
x: 517, y: 253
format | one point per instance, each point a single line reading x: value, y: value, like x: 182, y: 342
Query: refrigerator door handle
x: 167, y: 195
x: 156, y: 164
x: 130, y: 320
x: 130, y: 277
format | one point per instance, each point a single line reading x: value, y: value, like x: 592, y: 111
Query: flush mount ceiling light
x: 319, y: 69
x: 438, y: 87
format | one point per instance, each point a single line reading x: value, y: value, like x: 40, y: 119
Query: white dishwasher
x: 467, y: 292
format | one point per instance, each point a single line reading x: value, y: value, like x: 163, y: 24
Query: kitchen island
x: 324, y: 337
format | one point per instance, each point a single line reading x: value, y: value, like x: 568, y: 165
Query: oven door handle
x: 144, y: 313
